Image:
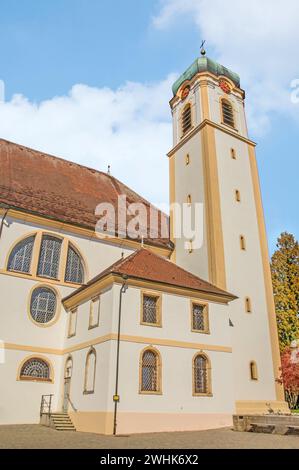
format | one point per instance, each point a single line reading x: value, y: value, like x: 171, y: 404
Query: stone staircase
x: 62, y: 422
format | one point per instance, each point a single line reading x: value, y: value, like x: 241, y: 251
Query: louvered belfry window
x: 48, y: 264
x: 20, y: 257
x: 74, y: 267
x: 150, y: 308
x: 43, y: 305
x: 186, y: 119
x: 35, y: 368
x: 201, y: 374
x: 228, y: 113
x: 149, y: 378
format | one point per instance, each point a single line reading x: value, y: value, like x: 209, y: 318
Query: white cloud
x: 129, y: 128
x: 258, y: 39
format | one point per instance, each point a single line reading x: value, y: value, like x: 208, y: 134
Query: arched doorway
x: 68, y: 371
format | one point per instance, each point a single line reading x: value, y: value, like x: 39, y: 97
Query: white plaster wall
x: 244, y: 272
x: 20, y: 400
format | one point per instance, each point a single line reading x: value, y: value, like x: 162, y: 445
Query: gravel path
x: 39, y: 437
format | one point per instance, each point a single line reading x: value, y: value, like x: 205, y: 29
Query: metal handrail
x: 46, y: 405
x: 71, y: 403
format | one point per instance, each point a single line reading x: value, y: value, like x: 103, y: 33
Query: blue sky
x: 127, y: 54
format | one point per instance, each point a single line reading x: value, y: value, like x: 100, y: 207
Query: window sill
x: 201, y: 332
x: 88, y: 393
x: 208, y: 395
x: 232, y: 128
x: 71, y: 336
x: 149, y: 393
x: 155, y: 325
x: 92, y: 327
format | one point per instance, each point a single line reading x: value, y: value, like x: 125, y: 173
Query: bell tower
x: 213, y: 163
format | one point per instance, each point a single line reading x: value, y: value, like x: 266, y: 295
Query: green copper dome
x: 204, y: 64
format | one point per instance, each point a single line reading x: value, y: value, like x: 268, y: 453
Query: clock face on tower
x: 185, y: 92
x: 225, y: 86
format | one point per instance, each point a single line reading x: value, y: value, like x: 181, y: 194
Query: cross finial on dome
x: 202, y: 48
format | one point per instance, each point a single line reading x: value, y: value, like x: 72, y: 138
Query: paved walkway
x: 39, y: 437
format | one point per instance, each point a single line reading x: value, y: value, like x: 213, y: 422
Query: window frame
x: 209, y: 376
x: 205, y: 305
x: 184, y: 108
x: 253, y: 371
x: 91, y: 325
x: 58, y: 305
x: 158, y: 296
x: 73, y: 313
x: 36, y: 379
x: 33, y: 274
x: 159, y: 371
x: 234, y: 126
x: 91, y: 352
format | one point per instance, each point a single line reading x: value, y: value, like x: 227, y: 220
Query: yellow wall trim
x: 213, y: 210
x: 124, y: 338
x: 81, y: 231
x: 203, y: 124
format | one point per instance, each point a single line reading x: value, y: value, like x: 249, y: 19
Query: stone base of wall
x: 134, y: 423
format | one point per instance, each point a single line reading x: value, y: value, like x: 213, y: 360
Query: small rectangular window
x: 242, y: 242
x: 200, y: 319
x: 187, y: 159
x: 253, y: 371
x: 238, y: 195
x: 248, y: 305
x: 233, y: 154
x: 72, y: 323
x: 94, y: 314
x: 151, y: 310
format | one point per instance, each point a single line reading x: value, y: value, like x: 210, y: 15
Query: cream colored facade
x: 233, y: 340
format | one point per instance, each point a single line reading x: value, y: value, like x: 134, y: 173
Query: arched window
x: 253, y: 371
x: 74, y: 267
x: 186, y: 119
x: 90, y: 372
x: 35, y: 369
x: 48, y: 263
x: 43, y: 305
x: 20, y: 257
x: 201, y: 375
x: 150, y: 372
x: 227, y: 113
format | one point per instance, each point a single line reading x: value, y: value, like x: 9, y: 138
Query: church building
x: 111, y: 333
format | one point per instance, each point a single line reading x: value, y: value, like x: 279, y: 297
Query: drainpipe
x: 123, y: 289
x: 3, y: 221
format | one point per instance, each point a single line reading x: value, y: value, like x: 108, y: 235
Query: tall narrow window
x: 151, y: 310
x: 35, y: 369
x: 201, y: 375
x: 150, y: 372
x: 94, y: 314
x: 248, y: 305
x: 253, y: 371
x: 48, y: 264
x: 237, y: 195
x: 190, y: 247
x: 186, y: 119
x: 189, y: 199
x: 227, y: 113
x: 72, y: 323
x: 242, y: 242
x: 90, y: 372
x: 187, y: 159
x: 233, y: 154
x: 20, y: 257
x: 74, y: 267
x: 200, y: 321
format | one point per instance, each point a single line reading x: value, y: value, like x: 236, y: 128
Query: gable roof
x: 145, y: 265
x: 34, y: 182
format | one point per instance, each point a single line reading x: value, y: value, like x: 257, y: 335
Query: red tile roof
x: 143, y: 264
x: 48, y: 186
